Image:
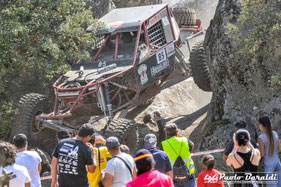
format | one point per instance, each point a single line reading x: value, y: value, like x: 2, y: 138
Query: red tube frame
x: 57, y: 88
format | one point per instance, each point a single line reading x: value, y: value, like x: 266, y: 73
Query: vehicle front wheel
x: 30, y: 106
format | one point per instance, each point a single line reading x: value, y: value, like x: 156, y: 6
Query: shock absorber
x: 108, y: 102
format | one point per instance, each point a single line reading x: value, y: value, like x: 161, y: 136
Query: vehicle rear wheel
x: 126, y: 131
x: 184, y: 16
x: 30, y: 106
x: 199, y: 67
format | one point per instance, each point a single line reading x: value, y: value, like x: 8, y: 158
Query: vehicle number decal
x: 102, y: 64
x: 161, y: 56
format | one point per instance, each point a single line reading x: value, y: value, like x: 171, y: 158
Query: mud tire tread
x: 126, y: 131
x: 28, y: 107
x: 199, y: 67
x: 184, y: 16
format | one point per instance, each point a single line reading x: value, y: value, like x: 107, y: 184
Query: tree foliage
x: 257, y: 34
x: 37, y: 38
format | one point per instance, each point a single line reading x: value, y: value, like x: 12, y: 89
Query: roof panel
x: 131, y: 14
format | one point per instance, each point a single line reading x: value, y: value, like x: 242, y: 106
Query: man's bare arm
x: 54, y: 172
x: 134, y: 172
x: 39, y: 168
x: 92, y: 168
x: 107, y: 180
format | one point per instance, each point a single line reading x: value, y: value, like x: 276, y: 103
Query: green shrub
x: 37, y: 38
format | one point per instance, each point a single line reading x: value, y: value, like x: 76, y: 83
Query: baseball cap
x: 150, y: 140
x: 112, y: 142
x: 171, y: 128
x: 63, y: 133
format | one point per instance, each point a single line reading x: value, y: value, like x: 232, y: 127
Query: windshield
x: 118, y: 46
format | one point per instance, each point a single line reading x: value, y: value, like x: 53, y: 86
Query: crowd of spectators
x: 89, y: 160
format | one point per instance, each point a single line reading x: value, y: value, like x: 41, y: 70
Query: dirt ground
x: 184, y: 103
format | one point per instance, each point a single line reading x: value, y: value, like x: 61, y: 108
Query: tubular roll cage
x: 78, y: 102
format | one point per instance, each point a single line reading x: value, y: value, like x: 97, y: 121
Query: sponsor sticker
x: 156, y: 69
x: 170, y: 49
x: 142, y: 71
x: 111, y: 27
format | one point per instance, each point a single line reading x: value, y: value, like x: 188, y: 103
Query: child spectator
x: 146, y: 175
x: 29, y: 159
x: 269, y: 147
x: 7, y: 162
x: 210, y: 177
x: 102, y: 156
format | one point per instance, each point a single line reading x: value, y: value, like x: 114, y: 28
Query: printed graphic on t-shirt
x: 68, y: 159
x: 211, y: 179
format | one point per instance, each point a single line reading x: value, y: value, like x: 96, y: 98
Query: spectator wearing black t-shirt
x: 72, y: 156
x: 238, y: 125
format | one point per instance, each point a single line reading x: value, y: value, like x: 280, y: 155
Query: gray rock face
x: 130, y: 3
x: 241, y: 89
x: 100, y: 7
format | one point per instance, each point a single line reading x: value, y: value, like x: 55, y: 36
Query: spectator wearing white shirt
x: 29, y: 159
x: 7, y: 162
x: 121, y: 168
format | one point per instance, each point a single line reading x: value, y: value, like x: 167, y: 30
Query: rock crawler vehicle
x: 139, y: 52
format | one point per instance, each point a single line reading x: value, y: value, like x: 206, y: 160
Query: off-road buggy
x: 139, y: 52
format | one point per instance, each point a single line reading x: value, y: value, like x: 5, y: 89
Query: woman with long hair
x: 210, y: 177
x: 146, y: 175
x: 269, y: 148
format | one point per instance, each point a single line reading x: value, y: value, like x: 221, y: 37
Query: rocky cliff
x: 241, y: 85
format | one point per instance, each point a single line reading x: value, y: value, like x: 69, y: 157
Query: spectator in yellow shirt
x: 102, y: 155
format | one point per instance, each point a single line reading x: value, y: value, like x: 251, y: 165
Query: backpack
x: 180, y: 171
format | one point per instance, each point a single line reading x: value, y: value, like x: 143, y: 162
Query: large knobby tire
x: 184, y: 16
x: 199, y: 67
x: 126, y: 131
x: 30, y: 106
